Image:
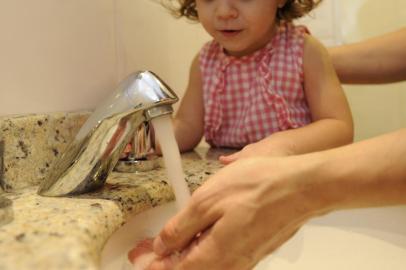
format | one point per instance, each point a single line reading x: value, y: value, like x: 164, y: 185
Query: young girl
x: 262, y: 84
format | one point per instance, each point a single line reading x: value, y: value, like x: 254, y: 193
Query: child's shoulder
x: 292, y: 38
x: 301, y: 35
x: 302, y: 43
x: 293, y: 32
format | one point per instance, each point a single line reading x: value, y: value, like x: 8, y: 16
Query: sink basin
x: 372, y: 239
x: 138, y: 227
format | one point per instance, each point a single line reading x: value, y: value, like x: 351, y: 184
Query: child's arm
x: 332, y: 124
x: 188, y: 122
x: 376, y: 60
x: 331, y: 117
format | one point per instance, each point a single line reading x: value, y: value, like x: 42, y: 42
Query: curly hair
x: 292, y: 9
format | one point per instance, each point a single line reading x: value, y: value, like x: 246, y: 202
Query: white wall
x: 324, y: 22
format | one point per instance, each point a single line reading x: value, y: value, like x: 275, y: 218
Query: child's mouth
x: 229, y: 32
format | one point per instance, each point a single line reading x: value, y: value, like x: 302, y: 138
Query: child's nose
x: 226, y: 10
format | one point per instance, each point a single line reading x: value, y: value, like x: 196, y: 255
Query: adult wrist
x: 319, y: 183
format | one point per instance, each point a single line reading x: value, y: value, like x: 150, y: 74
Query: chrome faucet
x: 92, y: 155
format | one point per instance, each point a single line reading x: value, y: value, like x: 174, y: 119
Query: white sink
x: 373, y: 239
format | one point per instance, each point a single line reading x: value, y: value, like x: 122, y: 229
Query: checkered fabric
x: 248, y: 98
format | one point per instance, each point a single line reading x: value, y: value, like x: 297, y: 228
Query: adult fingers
x: 217, y: 249
x: 201, y: 254
x: 165, y: 263
x: 173, y: 261
x: 180, y: 230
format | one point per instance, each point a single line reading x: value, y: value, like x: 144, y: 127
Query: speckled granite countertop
x: 69, y: 233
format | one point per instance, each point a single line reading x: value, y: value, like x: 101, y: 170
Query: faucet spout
x: 92, y: 155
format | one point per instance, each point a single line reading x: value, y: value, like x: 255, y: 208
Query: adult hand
x: 241, y: 214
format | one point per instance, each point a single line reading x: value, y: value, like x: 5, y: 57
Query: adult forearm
x: 365, y: 174
x: 376, y: 60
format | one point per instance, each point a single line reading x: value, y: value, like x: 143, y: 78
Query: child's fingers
x: 142, y: 248
x: 229, y: 159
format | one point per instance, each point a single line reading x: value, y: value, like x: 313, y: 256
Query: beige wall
x: 65, y: 55
x: 55, y: 55
x: 151, y: 38
x: 376, y: 109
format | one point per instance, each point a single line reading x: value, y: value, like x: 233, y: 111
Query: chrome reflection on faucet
x: 92, y: 155
x: 142, y: 156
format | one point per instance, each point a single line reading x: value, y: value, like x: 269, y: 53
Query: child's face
x: 240, y: 26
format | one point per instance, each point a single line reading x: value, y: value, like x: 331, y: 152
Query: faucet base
x: 130, y: 165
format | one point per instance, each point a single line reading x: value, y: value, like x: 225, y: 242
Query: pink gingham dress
x: 247, y: 99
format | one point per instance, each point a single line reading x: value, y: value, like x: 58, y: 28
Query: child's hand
x: 261, y: 148
x: 142, y: 255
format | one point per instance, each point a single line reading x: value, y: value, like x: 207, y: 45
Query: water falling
x: 170, y: 152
